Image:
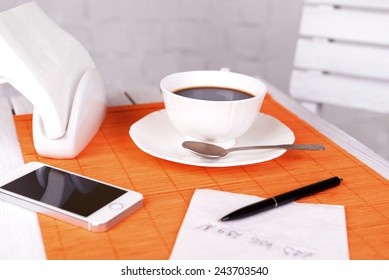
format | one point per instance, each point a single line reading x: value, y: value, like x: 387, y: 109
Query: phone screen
x: 64, y: 190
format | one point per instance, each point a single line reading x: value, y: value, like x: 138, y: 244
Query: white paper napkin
x: 297, y: 231
x: 43, y: 62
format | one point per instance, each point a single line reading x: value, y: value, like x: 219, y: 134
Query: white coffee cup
x: 217, y: 122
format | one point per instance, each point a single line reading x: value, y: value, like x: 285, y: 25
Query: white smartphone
x: 76, y: 199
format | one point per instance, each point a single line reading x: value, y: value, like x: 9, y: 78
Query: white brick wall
x: 136, y: 42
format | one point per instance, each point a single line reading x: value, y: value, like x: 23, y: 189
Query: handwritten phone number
x: 240, y: 270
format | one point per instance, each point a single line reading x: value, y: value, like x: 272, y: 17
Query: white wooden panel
x: 357, y: 93
x: 145, y: 95
x: 19, y: 228
x: 359, y: 60
x: 117, y: 98
x: 10, y: 154
x: 7, y: 90
x: 349, y: 25
x: 379, y: 4
x: 21, y: 105
x: 350, y: 144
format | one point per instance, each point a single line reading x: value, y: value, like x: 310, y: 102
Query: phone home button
x: 116, y: 206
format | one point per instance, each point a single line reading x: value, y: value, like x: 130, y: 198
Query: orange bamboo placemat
x: 167, y: 187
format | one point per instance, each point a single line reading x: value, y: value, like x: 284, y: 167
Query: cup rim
x: 256, y: 96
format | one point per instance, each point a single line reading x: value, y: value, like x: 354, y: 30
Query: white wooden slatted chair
x: 342, y: 54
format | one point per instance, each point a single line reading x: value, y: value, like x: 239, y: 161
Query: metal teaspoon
x: 214, y: 151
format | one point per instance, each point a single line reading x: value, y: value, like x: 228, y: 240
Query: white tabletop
x: 20, y: 236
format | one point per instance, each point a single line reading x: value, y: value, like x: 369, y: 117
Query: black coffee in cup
x: 213, y: 93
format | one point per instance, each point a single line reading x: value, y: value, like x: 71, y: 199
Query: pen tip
x: 226, y: 218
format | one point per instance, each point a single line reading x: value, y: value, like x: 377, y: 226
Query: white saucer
x: 155, y: 135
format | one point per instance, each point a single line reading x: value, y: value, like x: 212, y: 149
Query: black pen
x: 282, y: 199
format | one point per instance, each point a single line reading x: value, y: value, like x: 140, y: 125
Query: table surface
x: 25, y: 222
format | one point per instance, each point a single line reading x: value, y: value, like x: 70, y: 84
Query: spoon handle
x: 309, y: 147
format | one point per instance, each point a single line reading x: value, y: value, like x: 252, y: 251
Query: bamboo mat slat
x: 168, y: 187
